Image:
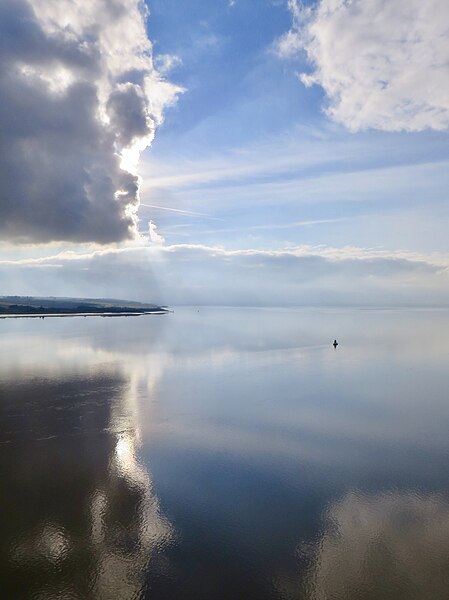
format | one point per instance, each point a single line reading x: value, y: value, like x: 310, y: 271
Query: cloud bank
x: 80, y: 99
x: 320, y: 276
x: 382, y: 64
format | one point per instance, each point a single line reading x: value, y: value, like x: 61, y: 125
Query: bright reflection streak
x: 121, y: 574
x: 94, y: 516
x: 125, y: 453
x: 249, y: 390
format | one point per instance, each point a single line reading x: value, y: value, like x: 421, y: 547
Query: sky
x: 236, y: 152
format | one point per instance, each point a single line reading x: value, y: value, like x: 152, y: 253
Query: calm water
x: 226, y: 454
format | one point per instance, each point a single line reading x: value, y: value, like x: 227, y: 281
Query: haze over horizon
x: 239, y: 152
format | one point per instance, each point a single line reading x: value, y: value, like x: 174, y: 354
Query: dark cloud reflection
x: 79, y: 518
x: 248, y: 431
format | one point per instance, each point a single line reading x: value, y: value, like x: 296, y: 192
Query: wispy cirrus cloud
x: 382, y: 65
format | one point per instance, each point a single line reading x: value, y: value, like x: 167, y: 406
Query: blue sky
x: 244, y: 109
x: 278, y: 141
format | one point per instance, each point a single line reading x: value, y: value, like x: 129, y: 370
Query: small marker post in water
x: 335, y: 344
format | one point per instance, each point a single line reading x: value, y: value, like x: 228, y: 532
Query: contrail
x: 183, y: 212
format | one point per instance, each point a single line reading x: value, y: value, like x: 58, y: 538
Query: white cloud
x: 202, y: 275
x: 153, y: 235
x: 382, y: 64
x: 167, y: 62
x: 80, y: 99
x: 381, y: 547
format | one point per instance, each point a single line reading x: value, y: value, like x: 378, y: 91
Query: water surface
x: 226, y: 454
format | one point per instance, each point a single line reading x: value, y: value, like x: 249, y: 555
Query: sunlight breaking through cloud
x: 80, y: 100
x: 200, y: 275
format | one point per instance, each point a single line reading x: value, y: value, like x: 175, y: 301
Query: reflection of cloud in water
x: 180, y: 366
x: 79, y: 519
x: 189, y: 334
x: 389, y: 546
x: 79, y: 513
x: 126, y: 535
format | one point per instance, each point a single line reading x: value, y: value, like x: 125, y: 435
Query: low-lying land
x: 29, y: 306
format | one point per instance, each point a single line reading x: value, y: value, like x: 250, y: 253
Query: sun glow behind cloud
x: 81, y: 99
x: 199, y: 275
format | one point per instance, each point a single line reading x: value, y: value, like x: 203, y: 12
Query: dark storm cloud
x: 127, y: 111
x: 66, y: 114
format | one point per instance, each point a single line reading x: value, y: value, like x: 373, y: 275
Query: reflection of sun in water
x: 124, y: 453
x: 140, y: 528
x: 125, y: 513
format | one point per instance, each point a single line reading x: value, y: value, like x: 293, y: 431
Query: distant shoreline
x: 160, y: 311
x: 30, y: 307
